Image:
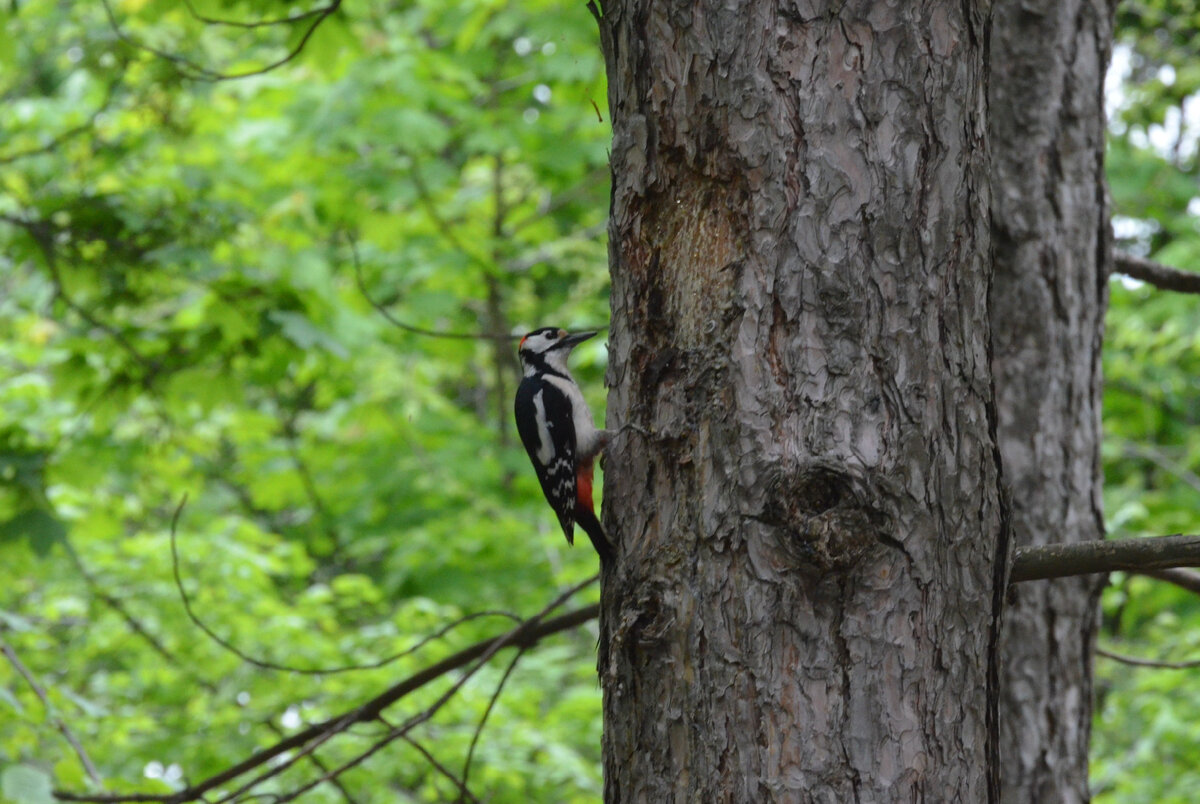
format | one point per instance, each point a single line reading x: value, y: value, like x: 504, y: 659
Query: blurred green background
x: 188, y: 267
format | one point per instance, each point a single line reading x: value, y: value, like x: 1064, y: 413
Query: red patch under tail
x: 583, y: 486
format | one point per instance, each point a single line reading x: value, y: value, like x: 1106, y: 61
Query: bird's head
x: 549, y: 347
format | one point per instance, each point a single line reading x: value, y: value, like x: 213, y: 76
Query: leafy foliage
x: 1146, y: 744
x: 186, y: 289
x: 188, y: 274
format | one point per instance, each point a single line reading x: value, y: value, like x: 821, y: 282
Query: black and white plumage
x: 557, y: 430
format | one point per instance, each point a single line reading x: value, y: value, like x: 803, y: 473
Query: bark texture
x: 1053, y: 257
x: 808, y: 536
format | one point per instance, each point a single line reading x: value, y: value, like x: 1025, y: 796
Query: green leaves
x: 1145, y: 744
x: 181, y: 312
x: 23, y: 784
x: 40, y: 528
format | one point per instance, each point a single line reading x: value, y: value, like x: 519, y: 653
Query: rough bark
x: 1053, y: 256
x: 809, y: 534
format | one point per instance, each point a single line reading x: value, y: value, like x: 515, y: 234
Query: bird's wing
x: 551, y: 447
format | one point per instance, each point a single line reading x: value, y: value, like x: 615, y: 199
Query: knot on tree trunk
x: 825, y: 517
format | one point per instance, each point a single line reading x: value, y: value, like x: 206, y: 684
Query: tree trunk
x: 810, y: 531
x: 1053, y: 257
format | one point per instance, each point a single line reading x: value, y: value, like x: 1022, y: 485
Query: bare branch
x: 335, y: 772
x: 288, y: 761
x: 483, y: 719
x: 185, y: 66
x: 1163, y: 461
x: 415, y: 330
x: 319, y: 765
x: 441, y: 223
x: 1161, y: 276
x: 395, y: 322
x: 311, y: 671
x: 1085, y: 558
x: 524, y: 636
x: 69, y: 133
x: 463, y: 790
x: 1140, y: 662
x: 493, y: 647
x: 1183, y: 578
x: 117, y: 606
x: 558, y: 201
x: 267, y: 23
x: 196, y: 71
x: 291, y: 436
x: 58, y: 722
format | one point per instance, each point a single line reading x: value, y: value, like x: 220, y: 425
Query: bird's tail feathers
x: 591, y: 526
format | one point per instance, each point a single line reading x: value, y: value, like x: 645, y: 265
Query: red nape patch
x: 583, y: 486
x: 522, y: 343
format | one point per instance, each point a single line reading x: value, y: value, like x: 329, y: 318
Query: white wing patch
x: 545, y: 452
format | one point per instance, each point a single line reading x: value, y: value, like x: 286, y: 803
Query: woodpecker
x: 557, y: 430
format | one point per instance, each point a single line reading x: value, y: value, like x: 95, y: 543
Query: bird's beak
x: 571, y: 341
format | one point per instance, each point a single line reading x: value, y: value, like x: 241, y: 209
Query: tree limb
x: 263, y: 23
x: 1137, y: 661
x: 309, y: 671
x: 344, y: 722
x: 466, y: 771
x: 1183, y: 578
x: 1154, y: 273
x: 463, y: 790
x: 198, y: 72
x: 1084, y: 558
x: 320, y: 765
x: 58, y: 722
x: 524, y: 636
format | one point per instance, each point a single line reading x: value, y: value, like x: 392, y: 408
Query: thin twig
x: 186, y: 67
x: 311, y: 671
x: 463, y: 790
x: 528, y: 634
x: 504, y: 641
x: 116, y: 605
x: 335, y: 772
x: 1137, y: 661
x: 556, y: 202
x: 267, y: 23
x: 63, y: 136
x: 466, y: 772
x: 1181, y: 577
x: 196, y: 71
x: 42, y: 235
x: 1154, y: 273
x: 291, y: 436
x: 58, y: 722
x: 1157, y: 457
x: 441, y: 223
x: 429, y: 333
x: 287, y: 762
x: 395, y: 322
x: 550, y: 250
x: 319, y: 765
